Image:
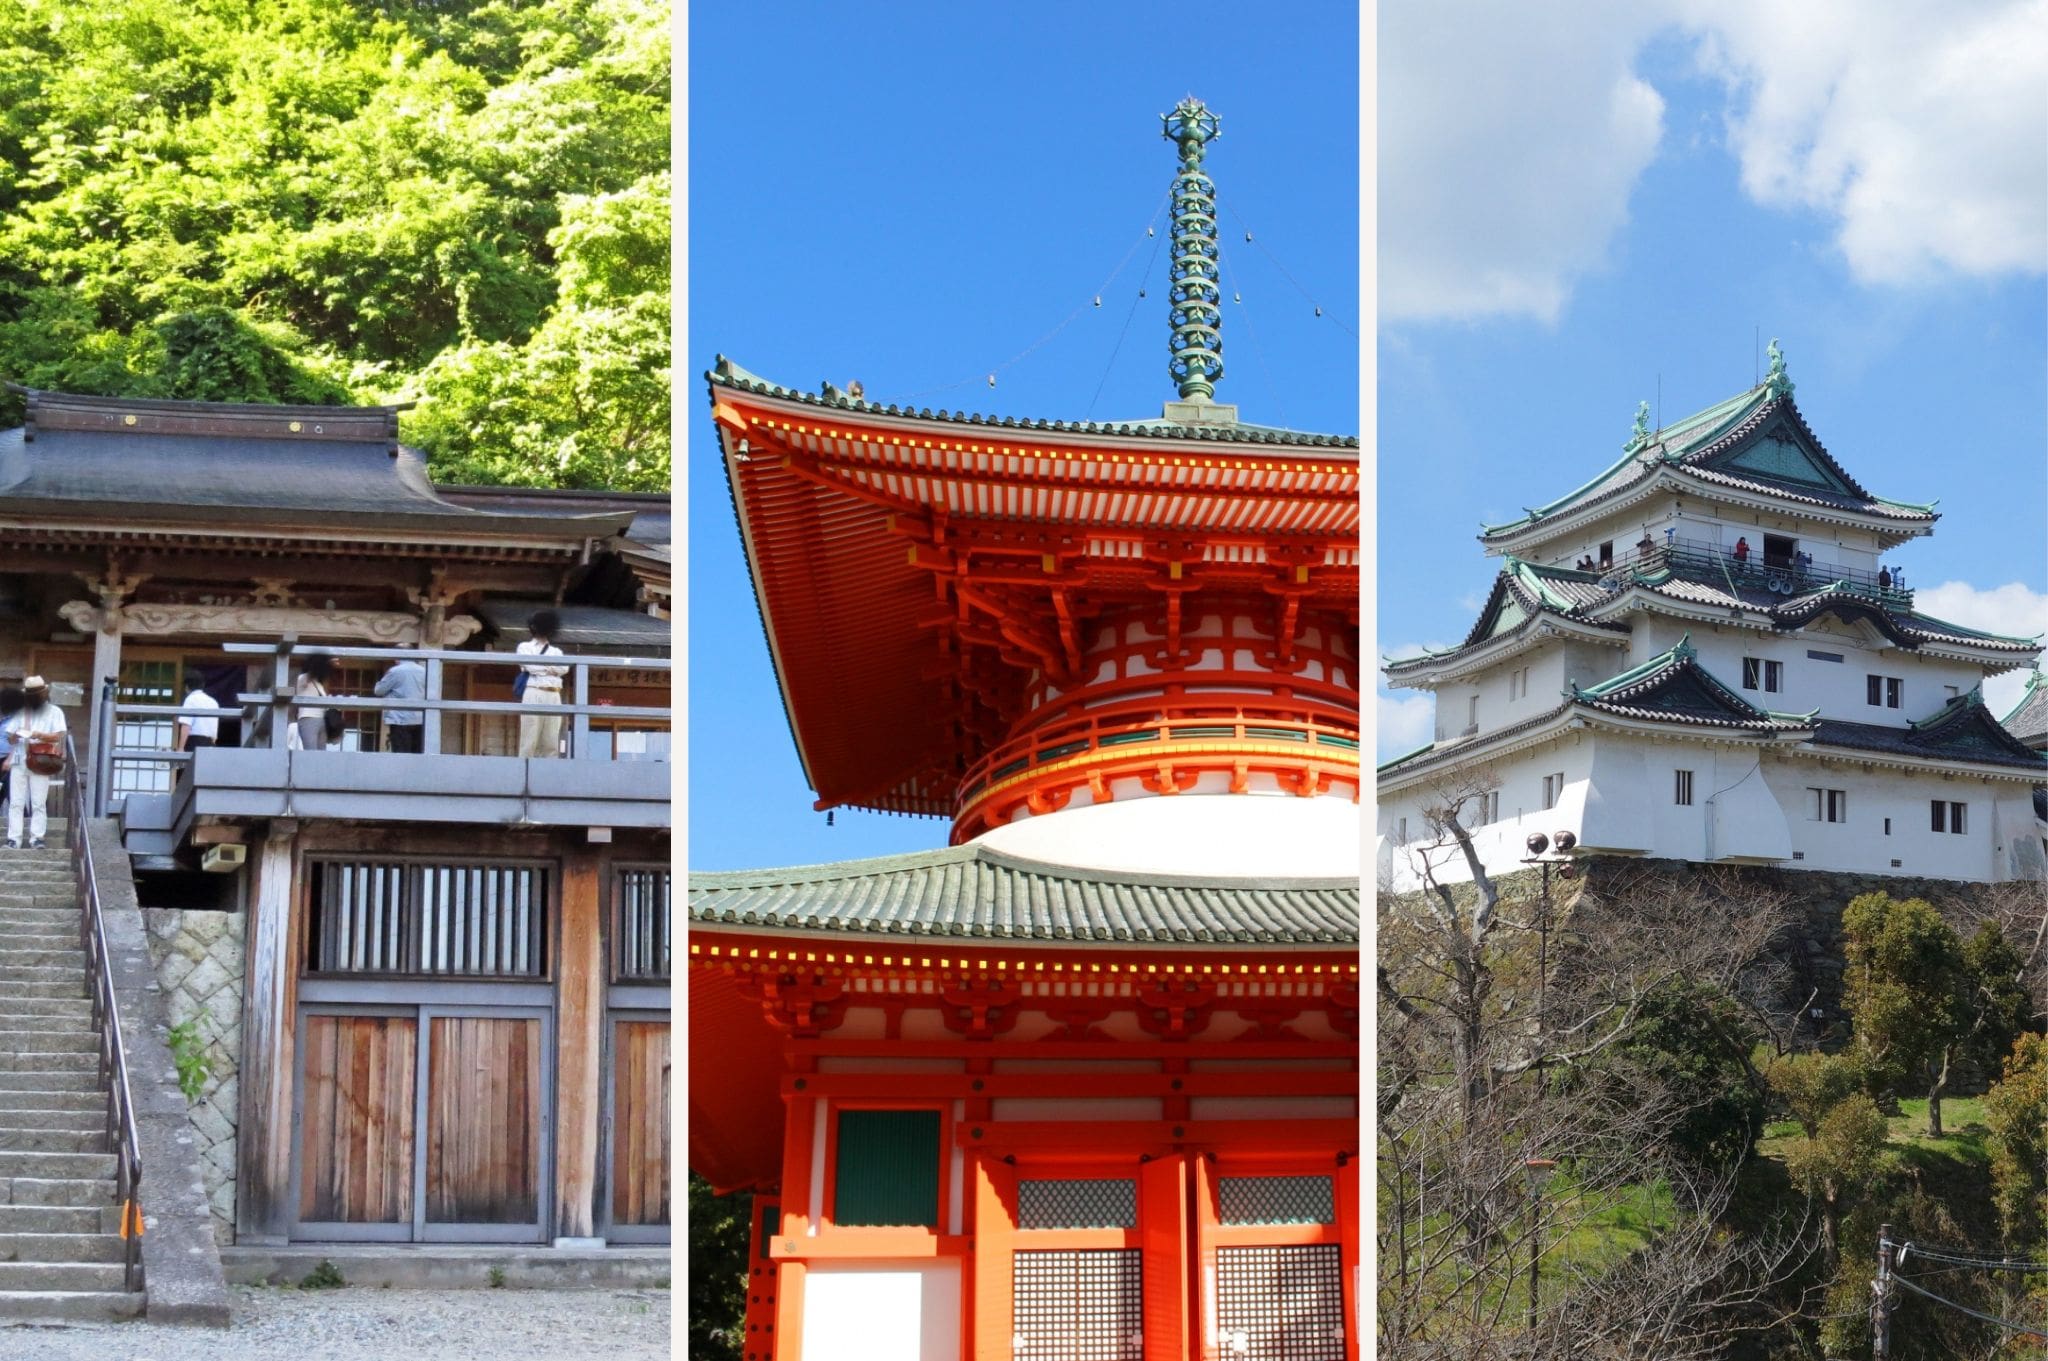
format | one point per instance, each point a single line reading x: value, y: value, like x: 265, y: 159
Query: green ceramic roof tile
x: 2028, y: 720
x: 972, y: 892
x: 730, y: 375
x: 1673, y: 686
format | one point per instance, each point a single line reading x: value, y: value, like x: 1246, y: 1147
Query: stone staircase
x: 60, y: 1243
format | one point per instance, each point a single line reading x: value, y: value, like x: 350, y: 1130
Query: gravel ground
x: 379, y: 1325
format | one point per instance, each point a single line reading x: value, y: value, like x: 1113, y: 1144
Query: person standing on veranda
x: 541, y: 734
x: 196, y: 731
x: 36, y: 725
x: 312, y: 684
x: 404, y: 729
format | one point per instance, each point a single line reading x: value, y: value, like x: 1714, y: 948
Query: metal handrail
x: 1699, y: 556
x: 1094, y: 734
x: 106, y: 1019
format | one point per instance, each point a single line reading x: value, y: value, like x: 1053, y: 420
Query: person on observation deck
x: 404, y: 729
x: 35, y: 732
x: 541, y: 734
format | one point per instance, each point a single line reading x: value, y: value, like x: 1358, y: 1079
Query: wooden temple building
x: 442, y: 1010
x: 1084, y: 1083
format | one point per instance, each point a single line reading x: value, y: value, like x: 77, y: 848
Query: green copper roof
x: 2028, y: 720
x: 1754, y: 441
x: 1673, y: 685
x: 972, y: 892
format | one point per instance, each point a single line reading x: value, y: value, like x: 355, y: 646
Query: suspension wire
x: 1136, y: 298
x: 2026, y: 1330
x: 1984, y: 1263
x: 1092, y: 301
x: 1250, y: 236
x: 1251, y: 335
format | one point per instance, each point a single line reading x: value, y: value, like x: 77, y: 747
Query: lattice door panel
x: 1085, y: 1305
x: 1280, y: 1303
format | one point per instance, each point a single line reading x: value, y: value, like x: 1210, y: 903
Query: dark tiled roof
x: 1673, y: 687
x: 227, y: 464
x: 731, y: 375
x: 1556, y: 592
x: 2028, y: 720
x: 1967, y: 734
x: 971, y: 892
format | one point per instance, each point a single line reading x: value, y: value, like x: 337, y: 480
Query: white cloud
x: 1920, y: 128
x: 1509, y: 139
x: 1403, y: 724
x: 2012, y: 609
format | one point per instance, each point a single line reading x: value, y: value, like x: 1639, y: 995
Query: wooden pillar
x: 1350, y: 1234
x: 263, y: 1210
x: 1163, y: 1207
x: 106, y: 666
x: 799, y: 1133
x: 992, y: 1192
x: 579, y: 1051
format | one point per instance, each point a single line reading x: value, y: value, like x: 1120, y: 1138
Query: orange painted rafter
x: 960, y: 1086
x: 1342, y: 1135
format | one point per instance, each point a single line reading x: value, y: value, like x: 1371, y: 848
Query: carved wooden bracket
x: 1165, y: 779
x: 379, y: 627
x: 1079, y: 1015
x: 1176, y: 1011
x: 1270, y: 1018
x: 802, y: 1008
x: 980, y: 1010
x: 1341, y: 1003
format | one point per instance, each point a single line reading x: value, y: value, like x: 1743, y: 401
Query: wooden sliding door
x: 483, y: 1122
x: 640, y: 1129
x: 357, y: 1125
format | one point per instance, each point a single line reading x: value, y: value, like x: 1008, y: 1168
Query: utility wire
x: 1252, y: 237
x: 1986, y: 1263
x: 1092, y: 301
x: 2025, y: 1330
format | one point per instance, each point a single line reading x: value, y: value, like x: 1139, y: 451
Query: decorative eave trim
x: 1899, y: 761
x: 1637, y: 597
x: 844, y: 938
x: 1415, y: 673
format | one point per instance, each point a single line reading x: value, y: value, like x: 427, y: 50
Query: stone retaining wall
x: 197, y: 955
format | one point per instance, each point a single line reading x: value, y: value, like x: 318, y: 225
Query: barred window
x: 437, y: 920
x: 640, y: 925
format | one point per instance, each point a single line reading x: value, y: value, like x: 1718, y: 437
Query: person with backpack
x: 35, y: 732
x: 540, y: 734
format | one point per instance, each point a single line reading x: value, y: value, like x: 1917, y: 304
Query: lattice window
x: 1280, y: 1303
x: 1085, y: 1305
x: 1098, y: 1203
x: 440, y: 920
x: 1276, y: 1200
x: 640, y: 925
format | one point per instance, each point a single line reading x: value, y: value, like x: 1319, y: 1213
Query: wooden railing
x: 267, y: 716
x: 106, y: 1020
x: 1080, y: 738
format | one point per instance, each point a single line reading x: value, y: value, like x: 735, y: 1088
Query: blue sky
x: 917, y: 196
x: 1574, y: 217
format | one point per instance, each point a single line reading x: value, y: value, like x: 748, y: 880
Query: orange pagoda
x: 1084, y: 1083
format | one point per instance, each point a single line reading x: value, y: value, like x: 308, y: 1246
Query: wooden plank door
x: 640, y: 1130
x: 358, y: 1079
x: 486, y: 1144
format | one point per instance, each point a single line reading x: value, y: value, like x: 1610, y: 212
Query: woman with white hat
x: 34, y: 733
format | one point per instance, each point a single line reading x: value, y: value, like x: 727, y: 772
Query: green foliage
x: 311, y: 201
x: 324, y: 1276
x: 1845, y: 1149
x: 1810, y: 1085
x: 1693, y: 1040
x: 1998, y: 1005
x: 721, y: 1228
x: 1903, y: 987
x: 496, y: 1276
x: 188, y: 1052
x: 2016, y: 1110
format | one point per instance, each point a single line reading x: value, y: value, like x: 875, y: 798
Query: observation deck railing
x: 1701, y: 560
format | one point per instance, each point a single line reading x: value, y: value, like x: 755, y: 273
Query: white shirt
x: 541, y: 677
x: 208, y: 728
x: 46, y: 721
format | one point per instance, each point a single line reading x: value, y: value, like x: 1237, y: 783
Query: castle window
x: 1827, y: 805
x: 1779, y: 551
x: 1553, y: 789
x: 1887, y: 691
x: 1947, y: 817
x: 1759, y: 674
x: 1682, y: 788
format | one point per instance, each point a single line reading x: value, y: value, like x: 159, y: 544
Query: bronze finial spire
x: 1197, y: 316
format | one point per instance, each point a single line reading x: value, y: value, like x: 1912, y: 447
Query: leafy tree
x: 721, y: 1228
x: 1811, y: 1085
x: 1693, y: 1041
x: 311, y: 200
x: 1844, y: 1132
x: 1904, y: 985
x: 2016, y: 1110
x: 1989, y: 1013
